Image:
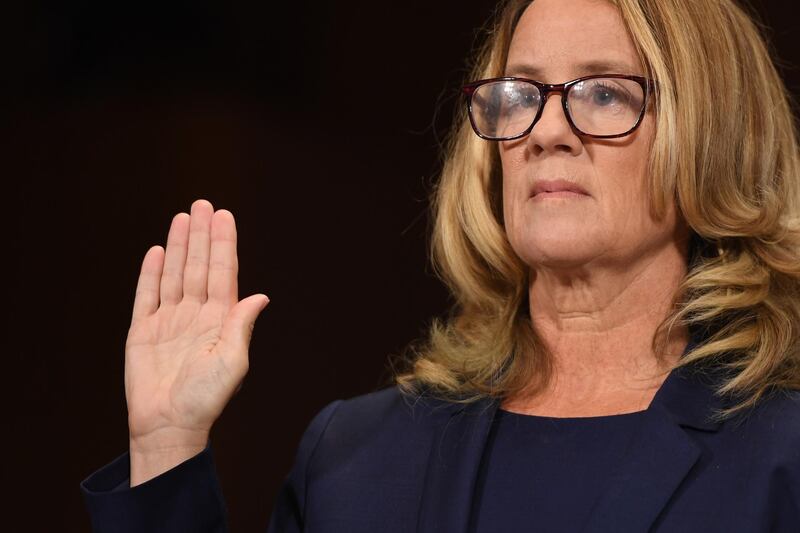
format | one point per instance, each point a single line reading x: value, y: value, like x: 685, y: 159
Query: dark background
x: 316, y: 123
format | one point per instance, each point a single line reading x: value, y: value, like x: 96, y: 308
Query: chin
x: 561, y: 256
x: 560, y: 262
x: 556, y: 246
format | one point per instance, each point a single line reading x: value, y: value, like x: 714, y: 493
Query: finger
x: 195, y: 273
x: 223, y: 265
x: 237, y: 330
x: 146, y: 300
x: 172, y: 277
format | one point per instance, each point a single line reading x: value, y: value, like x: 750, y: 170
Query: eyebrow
x: 583, y: 69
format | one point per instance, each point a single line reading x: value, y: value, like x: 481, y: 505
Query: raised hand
x: 187, y: 346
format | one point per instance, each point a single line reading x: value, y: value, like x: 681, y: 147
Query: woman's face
x: 554, y: 42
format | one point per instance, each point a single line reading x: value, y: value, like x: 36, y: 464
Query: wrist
x: 152, y: 463
x: 154, y: 454
x: 168, y: 440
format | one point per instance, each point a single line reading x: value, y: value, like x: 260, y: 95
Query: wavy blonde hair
x: 725, y: 151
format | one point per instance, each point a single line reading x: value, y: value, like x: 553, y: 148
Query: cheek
x: 620, y: 177
x: 620, y: 183
x: 516, y: 183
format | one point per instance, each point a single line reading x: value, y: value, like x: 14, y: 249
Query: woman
x: 618, y: 221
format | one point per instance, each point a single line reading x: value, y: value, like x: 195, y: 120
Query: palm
x: 184, y: 358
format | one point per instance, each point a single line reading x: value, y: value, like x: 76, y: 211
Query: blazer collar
x: 659, y: 458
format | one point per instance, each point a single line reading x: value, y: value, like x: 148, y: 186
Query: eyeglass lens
x: 597, y: 106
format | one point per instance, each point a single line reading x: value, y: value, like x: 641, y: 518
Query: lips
x: 548, y: 186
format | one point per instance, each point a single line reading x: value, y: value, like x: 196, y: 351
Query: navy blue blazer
x: 384, y: 462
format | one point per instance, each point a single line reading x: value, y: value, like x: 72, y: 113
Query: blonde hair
x: 725, y: 151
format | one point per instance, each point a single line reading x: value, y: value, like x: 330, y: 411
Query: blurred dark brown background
x: 316, y: 123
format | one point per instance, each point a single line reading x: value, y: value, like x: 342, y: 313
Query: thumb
x: 238, y: 326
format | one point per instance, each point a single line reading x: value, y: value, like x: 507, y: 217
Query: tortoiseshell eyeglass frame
x: 546, y: 89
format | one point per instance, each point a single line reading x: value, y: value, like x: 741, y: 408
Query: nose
x: 552, y: 132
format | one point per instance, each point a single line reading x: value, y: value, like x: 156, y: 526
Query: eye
x: 520, y: 96
x: 529, y: 97
x: 603, y: 94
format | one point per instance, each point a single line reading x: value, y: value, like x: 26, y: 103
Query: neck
x: 598, y: 324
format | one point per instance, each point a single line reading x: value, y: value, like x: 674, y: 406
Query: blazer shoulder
x: 392, y: 404
x: 774, y: 423
x: 384, y: 419
x: 779, y: 409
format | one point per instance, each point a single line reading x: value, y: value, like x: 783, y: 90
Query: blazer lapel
x: 453, y: 464
x: 661, y: 455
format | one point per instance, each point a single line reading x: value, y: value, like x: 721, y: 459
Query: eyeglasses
x: 601, y: 106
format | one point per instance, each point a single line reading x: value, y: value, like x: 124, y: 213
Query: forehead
x: 558, y: 40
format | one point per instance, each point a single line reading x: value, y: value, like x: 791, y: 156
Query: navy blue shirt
x: 544, y: 474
